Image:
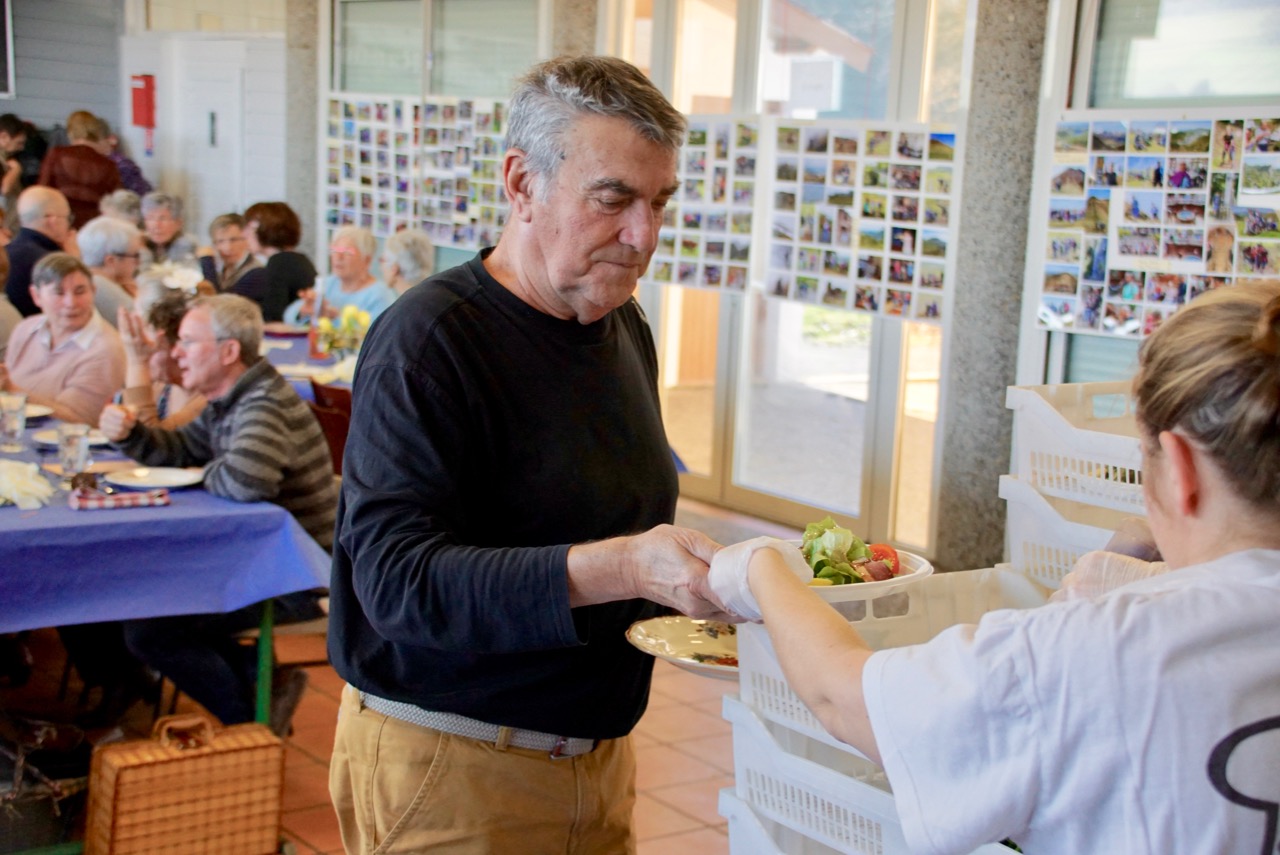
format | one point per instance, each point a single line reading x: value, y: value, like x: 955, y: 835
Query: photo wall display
x: 860, y: 216
x: 434, y: 164
x: 1147, y: 211
x: 705, y: 239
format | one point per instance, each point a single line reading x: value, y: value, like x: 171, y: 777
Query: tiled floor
x: 683, y: 747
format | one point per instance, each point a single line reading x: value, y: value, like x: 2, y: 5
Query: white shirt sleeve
x: 958, y: 734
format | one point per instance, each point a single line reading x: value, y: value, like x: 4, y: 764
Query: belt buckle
x: 557, y: 750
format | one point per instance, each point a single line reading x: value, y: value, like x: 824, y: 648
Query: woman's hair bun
x: 1266, y: 335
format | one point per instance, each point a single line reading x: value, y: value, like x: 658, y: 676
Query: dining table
x: 198, y: 554
x: 289, y: 351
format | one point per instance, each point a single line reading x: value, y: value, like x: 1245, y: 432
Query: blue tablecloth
x: 297, y: 351
x: 199, y: 554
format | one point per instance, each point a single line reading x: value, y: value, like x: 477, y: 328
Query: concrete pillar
x: 302, y: 101
x: 998, y: 161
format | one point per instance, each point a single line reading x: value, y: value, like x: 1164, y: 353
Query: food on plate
x: 838, y: 557
x: 706, y: 658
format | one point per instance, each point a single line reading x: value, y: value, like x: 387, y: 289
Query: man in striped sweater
x: 257, y: 441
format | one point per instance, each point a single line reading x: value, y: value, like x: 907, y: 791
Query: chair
x: 335, y: 424
x: 333, y: 397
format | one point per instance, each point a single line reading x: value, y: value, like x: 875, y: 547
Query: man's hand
x: 71, y: 244
x: 133, y: 332
x: 666, y: 564
x: 116, y: 421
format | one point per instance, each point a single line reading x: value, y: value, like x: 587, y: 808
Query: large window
x: 378, y: 46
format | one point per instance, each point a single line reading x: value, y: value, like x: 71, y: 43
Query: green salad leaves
x: 831, y: 550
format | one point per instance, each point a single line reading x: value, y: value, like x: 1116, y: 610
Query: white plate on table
x: 279, y: 329
x: 50, y: 437
x: 154, y: 477
x: 914, y: 568
x: 705, y: 647
x: 38, y: 411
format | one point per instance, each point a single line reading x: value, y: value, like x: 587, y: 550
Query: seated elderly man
x: 67, y: 357
x: 45, y: 215
x: 111, y: 249
x: 257, y: 441
x: 165, y: 239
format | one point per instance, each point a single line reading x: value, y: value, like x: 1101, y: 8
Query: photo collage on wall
x: 1147, y: 213
x: 435, y: 164
x: 705, y: 239
x: 861, y: 217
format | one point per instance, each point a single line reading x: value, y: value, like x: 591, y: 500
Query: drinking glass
x: 73, y: 449
x: 13, y: 420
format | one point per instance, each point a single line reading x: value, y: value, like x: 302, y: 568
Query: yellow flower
x: 365, y: 319
x: 349, y: 312
x: 324, y: 325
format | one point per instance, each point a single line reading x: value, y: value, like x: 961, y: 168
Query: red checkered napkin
x: 84, y: 499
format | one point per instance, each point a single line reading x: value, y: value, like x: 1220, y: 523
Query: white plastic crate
x: 1078, y: 441
x: 794, y: 796
x: 1045, y: 536
x: 931, y: 605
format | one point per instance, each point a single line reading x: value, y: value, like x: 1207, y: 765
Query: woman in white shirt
x: 1145, y: 718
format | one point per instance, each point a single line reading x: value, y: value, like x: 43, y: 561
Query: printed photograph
x: 844, y: 144
x: 1169, y: 289
x: 835, y: 295
x: 1262, y: 136
x: 815, y: 140
x: 897, y: 303
x: 1122, y: 319
x: 1139, y: 242
x: 1257, y: 222
x: 1143, y: 206
x: 1228, y: 143
x: 932, y: 275
x: 835, y: 263
x: 1184, y: 244
x: 806, y: 289
x: 937, y: 212
x: 1258, y: 258
x: 928, y: 307
x: 875, y: 174
x: 1108, y: 136
x: 1065, y: 212
x: 1067, y: 181
x: 1144, y: 172
x: 933, y: 243
x: 1187, y: 172
x: 1197, y: 285
x: 1071, y: 138
x: 942, y: 146
x: 867, y: 298
x: 1190, y: 137
x: 1148, y: 136
x: 879, y: 143
x: 735, y: 278
x: 1220, y: 242
x: 1097, y: 210
x: 1061, y: 278
x: 903, y: 241
x: 1260, y: 175
x: 787, y: 169
x: 844, y: 172
x: 1064, y: 246
x: 904, y: 177
x: 906, y: 208
x: 747, y: 135
x: 1089, y: 308
x: 1107, y: 170
x: 871, y: 267
x: 808, y: 260
x: 1124, y: 285
x: 873, y: 205
x: 938, y: 180
x: 901, y: 270
x: 1056, y: 313
x: 1222, y: 195
x: 910, y: 145
x: 1184, y: 209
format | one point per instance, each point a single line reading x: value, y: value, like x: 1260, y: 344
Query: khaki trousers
x: 401, y: 788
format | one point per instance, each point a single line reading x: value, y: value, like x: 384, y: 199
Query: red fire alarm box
x: 144, y: 100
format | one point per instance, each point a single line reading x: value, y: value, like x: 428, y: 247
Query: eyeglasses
x: 343, y: 250
x: 188, y: 343
x: 134, y: 255
x: 70, y: 218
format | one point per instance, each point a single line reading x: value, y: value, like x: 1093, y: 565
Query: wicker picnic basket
x: 190, y: 788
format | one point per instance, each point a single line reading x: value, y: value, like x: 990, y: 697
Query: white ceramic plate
x: 152, y: 477
x: 50, y: 437
x: 914, y: 568
x: 38, y: 411
x: 279, y: 329
x: 694, y: 645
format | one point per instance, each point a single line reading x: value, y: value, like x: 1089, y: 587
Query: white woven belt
x: 556, y: 747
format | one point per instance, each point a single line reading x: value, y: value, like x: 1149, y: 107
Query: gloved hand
x: 1095, y: 573
x: 728, y: 574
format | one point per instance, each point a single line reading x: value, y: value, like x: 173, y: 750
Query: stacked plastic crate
x: 1077, y: 473
x: 797, y: 789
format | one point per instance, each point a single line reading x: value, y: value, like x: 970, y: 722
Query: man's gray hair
x: 105, y: 236
x: 412, y: 251
x: 122, y: 204
x: 156, y: 200
x: 552, y: 95
x: 235, y: 317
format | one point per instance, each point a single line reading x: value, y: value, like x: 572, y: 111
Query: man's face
x: 596, y: 227
x: 57, y: 220
x: 203, y: 360
x: 161, y: 226
x: 68, y: 304
x: 125, y: 267
x: 12, y: 145
x: 231, y: 244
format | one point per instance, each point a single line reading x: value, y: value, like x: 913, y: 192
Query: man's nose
x: 640, y: 227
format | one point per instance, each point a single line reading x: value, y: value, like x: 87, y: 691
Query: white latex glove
x: 1095, y: 573
x: 728, y: 575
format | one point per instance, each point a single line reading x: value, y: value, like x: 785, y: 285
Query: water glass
x: 13, y: 420
x: 73, y: 449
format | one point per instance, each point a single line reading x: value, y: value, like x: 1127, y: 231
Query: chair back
x: 335, y: 424
x: 333, y: 397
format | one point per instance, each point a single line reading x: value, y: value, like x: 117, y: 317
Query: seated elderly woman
x: 408, y: 257
x: 165, y: 238
x: 67, y: 357
x: 123, y: 205
x: 111, y: 249
x: 351, y: 254
x: 153, y: 379
x: 1140, y: 719
x: 274, y: 232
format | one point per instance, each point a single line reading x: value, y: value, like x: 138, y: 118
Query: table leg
x: 262, y: 714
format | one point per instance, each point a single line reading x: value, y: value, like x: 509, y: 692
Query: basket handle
x: 187, y: 731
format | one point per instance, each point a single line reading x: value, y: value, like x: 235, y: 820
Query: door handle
x: 213, y: 130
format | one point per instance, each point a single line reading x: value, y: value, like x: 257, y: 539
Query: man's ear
x: 233, y: 352
x: 518, y: 183
x: 35, y: 295
x: 1184, y: 477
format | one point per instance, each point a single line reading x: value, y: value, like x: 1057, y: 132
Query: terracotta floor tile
x: 315, y: 741
x: 716, y: 750
x: 692, y: 688
x: 675, y: 723
x: 300, y: 648
x: 700, y: 841
x: 316, y: 827
x: 640, y: 740
x: 301, y: 848
x: 326, y: 680
x: 306, y: 781
x: 699, y: 799
x: 655, y: 819
x: 663, y: 766
x: 315, y: 710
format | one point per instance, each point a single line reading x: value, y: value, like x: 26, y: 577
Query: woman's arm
x: 821, y: 653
